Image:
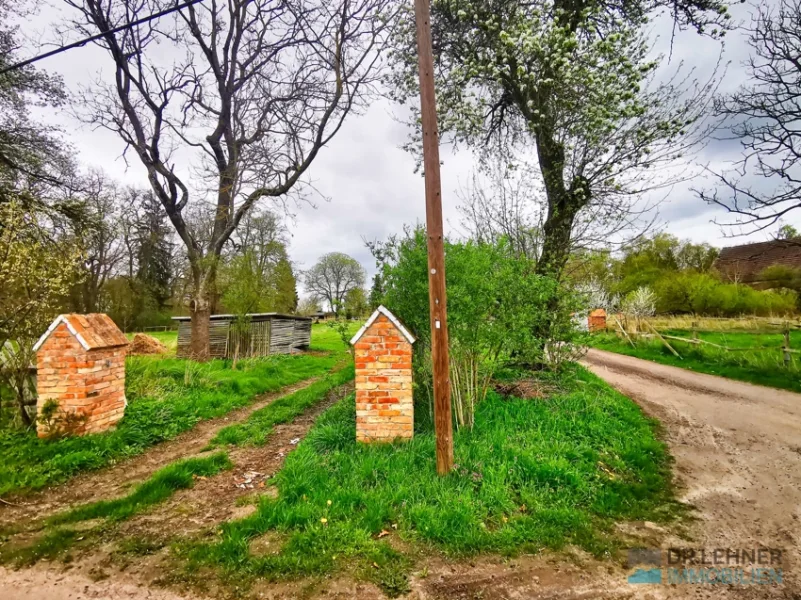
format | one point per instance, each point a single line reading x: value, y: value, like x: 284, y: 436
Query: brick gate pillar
x: 383, y: 355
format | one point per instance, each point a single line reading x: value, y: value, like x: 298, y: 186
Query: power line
x: 83, y: 42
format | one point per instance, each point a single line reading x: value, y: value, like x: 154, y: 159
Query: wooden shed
x: 267, y: 333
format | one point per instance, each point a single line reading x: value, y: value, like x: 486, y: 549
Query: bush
x: 496, y: 306
x: 699, y: 293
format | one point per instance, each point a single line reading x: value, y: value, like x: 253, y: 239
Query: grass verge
x: 166, y: 396
x: 58, y: 538
x: 532, y: 474
x: 160, y: 486
x: 760, y: 362
x: 258, y: 427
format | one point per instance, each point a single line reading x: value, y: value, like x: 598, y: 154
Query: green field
x: 166, y: 396
x: 757, y: 357
x: 531, y: 475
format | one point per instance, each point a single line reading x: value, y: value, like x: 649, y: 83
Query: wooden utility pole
x: 436, y: 249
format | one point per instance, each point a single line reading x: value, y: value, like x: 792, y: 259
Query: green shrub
x: 497, y: 309
x: 703, y: 294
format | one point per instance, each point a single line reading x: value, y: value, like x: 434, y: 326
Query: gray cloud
x: 370, y: 182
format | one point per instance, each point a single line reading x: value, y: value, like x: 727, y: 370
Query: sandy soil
x: 738, y: 465
x: 738, y: 460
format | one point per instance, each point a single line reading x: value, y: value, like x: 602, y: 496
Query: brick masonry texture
x: 85, y: 382
x: 384, y: 407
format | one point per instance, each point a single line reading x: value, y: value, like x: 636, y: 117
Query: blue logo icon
x: 646, y: 576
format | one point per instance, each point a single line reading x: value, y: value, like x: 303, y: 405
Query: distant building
x: 747, y: 263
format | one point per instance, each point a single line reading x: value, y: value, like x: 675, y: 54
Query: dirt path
x: 103, y: 572
x: 738, y: 463
x: 738, y: 459
x: 117, y: 480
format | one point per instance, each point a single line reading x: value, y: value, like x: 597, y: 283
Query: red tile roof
x: 745, y: 263
x: 93, y: 331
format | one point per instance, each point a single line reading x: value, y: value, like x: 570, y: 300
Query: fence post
x: 695, y: 331
x: 786, y: 344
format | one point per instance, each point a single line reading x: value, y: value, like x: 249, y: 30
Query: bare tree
x: 333, y: 277
x: 99, y: 231
x: 503, y: 201
x: 253, y: 90
x: 506, y: 199
x: 764, y: 114
x: 575, y: 83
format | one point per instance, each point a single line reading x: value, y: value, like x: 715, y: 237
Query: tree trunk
x: 200, y: 311
x: 556, y: 236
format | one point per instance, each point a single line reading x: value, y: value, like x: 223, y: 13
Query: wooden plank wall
x: 255, y: 341
x: 184, y: 339
x: 302, y: 336
x: 272, y: 336
x: 218, y: 339
x: 281, y: 336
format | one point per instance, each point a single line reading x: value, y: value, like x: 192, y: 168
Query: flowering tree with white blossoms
x: 573, y: 81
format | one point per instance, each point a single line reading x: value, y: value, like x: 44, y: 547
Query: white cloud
x: 369, y: 180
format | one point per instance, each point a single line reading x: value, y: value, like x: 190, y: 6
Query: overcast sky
x: 369, y: 181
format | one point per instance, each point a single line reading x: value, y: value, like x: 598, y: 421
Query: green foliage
x: 680, y: 275
x: 376, y: 292
x: 496, y: 306
x: 344, y: 329
x: 57, y: 423
x: 355, y: 305
x: 704, y: 294
x: 161, y: 404
x: 530, y: 475
x: 762, y: 364
x: 286, y: 290
x: 787, y: 232
x: 246, y: 288
x: 334, y: 275
x: 259, y: 426
x: 160, y: 486
x: 154, y: 252
x: 646, y: 260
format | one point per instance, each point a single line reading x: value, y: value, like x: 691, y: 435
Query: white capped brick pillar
x: 383, y: 355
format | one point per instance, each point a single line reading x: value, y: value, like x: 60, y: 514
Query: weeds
x: 530, y: 475
x: 758, y: 360
x: 259, y: 425
x: 166, y: 396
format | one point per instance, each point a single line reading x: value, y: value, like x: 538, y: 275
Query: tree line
x: 228, y: 130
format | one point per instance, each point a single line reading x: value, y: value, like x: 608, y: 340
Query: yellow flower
x: 323, y: 520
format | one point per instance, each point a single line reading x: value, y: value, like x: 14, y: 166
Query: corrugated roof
x: 93, y: 331
x: 255, y: 316
x: 745, y: 263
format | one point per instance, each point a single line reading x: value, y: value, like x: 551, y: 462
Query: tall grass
x: 259, y: 425
x: 166, y: 396
x: 758, y: 358
x: 530, y: 475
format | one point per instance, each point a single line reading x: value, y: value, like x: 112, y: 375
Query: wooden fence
x: 785, y: 348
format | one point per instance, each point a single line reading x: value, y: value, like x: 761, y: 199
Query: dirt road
x: 738, y: 459
x: 738, y: 463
